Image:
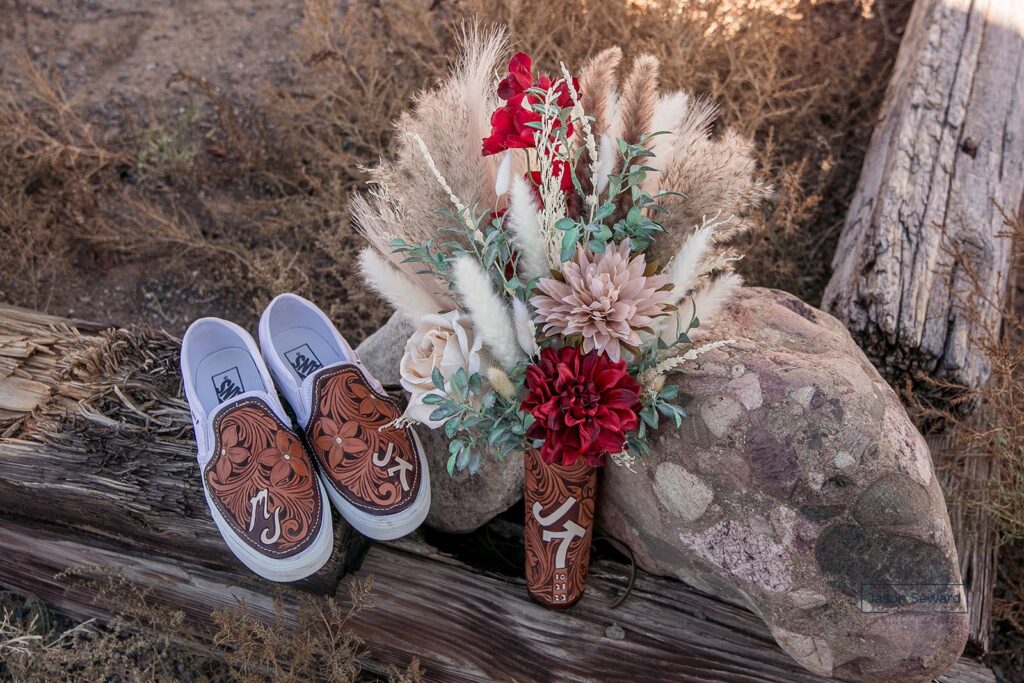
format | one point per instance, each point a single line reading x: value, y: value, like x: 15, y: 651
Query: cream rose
x: 444, y: 341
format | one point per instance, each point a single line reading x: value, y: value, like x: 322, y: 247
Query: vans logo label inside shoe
x: 303, y: 360
x: 228, y: 384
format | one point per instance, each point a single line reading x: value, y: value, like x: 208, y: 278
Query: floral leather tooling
x: 560, y: 501
x: 262, y: 481
x: 345, y: 425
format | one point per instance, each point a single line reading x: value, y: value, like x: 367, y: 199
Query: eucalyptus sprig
x: 477, y: 421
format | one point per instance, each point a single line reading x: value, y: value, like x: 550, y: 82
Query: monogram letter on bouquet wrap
x: 555, y: 239
x: 559, y: 519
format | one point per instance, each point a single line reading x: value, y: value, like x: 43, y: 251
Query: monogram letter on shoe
x: 261, y: 480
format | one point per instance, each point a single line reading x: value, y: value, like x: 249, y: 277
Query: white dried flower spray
x: 588, y: 139
x: 552, y: 197
x: 462, y: 209
x: 488, y: 312
x: 653, y: 379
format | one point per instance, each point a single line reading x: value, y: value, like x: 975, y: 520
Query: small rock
x: 843, y: 460
x: 682, y: 492
x: 615, y: 632
x: 893, y: 500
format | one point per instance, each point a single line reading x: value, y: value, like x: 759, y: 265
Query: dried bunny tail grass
x: 404, y: 296
x: 501, y: 383
x: 380, y: 219
x: 487, y: 311
x: 598, y: 84
x: 450, y: 121
x: 639, y: 98
x: 690, y: 262
x: 524, y: 221
x: 705, y: 303
x: 526, y: 332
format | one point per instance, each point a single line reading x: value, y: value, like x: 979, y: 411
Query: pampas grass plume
x: 487, y: 311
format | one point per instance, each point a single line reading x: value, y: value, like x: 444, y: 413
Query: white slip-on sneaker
x: 375, y: 474
x: 260, y: 483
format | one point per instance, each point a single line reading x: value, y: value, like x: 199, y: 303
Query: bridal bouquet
x: 555, y: 240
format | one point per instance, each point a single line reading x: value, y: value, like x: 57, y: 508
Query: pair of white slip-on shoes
x: 265, y: 484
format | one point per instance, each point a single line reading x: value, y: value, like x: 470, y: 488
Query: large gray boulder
x: 460, y: 503
x: 798, y: 487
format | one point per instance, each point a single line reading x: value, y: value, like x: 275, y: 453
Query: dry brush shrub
x: 305, y: 638
x: 255, y: 193
x: 804, y: 77
x: 50, y: 165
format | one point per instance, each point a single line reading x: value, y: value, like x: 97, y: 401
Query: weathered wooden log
x: 925, y: 226
x: 464, y: 625
x: 96, y: 470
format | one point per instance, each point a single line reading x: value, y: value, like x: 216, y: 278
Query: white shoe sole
x: 283, y: 570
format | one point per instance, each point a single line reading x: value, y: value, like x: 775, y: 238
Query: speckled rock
x: 800, y: 488
x: 459, y: 503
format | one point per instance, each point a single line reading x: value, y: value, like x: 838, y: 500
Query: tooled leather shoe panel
x: 375, y: 469
x: 262, y: 481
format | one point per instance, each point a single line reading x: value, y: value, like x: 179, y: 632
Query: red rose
x: 583, y: 405
x: 509, y: 129
x: 558, y: 169
x: 520, y: 76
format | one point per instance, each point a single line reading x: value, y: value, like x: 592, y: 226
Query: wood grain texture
x: 925, y: 220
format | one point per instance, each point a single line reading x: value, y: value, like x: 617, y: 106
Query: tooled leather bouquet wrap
x: 556, y: 241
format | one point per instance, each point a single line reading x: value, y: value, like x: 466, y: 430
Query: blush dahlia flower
x: 583, y: 405
x: 605, y: 298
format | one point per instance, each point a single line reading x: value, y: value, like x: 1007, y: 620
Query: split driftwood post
x: 97, y: 470
x: 926, y: 231
x: 946, y: 156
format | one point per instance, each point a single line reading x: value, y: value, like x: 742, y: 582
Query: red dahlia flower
x: 583, y: 405
x: 509, y: 129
